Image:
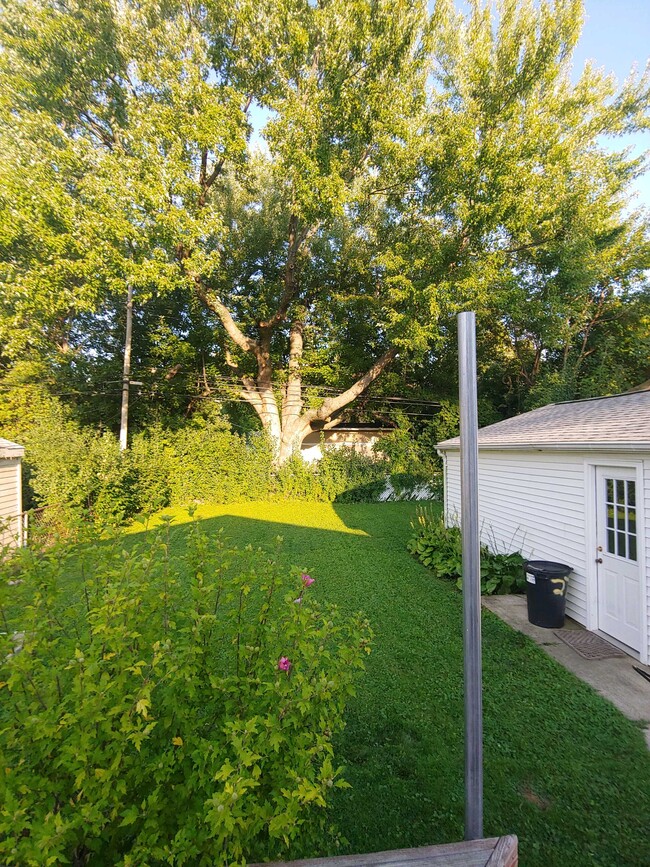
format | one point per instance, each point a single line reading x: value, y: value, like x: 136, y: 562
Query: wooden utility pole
x: 126, y: 372
x: 471, y: 576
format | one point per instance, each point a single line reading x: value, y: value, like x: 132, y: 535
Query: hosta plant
x: 439, y: 548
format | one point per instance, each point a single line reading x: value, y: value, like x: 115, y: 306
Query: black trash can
x: 546, y: 592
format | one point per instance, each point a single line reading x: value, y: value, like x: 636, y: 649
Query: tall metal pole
x: 126, y: 372
x: 471, y: 577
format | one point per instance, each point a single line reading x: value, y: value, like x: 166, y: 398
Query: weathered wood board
x: 493, y: 852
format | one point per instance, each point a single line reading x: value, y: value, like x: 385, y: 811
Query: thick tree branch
x: 206, y: 180
x: 106, y: 136
x: 291, y: 284
x: 232, y: 364
x: 532, y: 245
x: 232, y: 329
x: 331, y: 424
x: 292, y: 403
x: 249, y: 392
x: 203, y: 172
x: 334, y: 404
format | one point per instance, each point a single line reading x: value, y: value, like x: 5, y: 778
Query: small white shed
x: 570, y: 482
x: 11, y: 522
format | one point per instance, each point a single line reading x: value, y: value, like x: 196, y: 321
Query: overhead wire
x: 386, y: 405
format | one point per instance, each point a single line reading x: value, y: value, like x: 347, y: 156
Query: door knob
x: 599, y: 559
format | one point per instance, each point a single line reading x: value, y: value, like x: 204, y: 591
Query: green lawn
x: 564, y: 770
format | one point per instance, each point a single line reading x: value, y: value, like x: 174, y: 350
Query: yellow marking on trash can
x: 560, y: 590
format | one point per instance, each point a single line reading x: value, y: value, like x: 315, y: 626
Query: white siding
x: 533, y: 502
x: 10, y: 500
x: 360, y: 441
x: 646, y: 480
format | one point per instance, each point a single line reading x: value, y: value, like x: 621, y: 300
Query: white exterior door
x: 619, y: 580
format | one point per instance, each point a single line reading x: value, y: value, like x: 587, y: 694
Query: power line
x: 386, y: 405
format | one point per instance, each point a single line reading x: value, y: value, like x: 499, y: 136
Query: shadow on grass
x: 563, y: 768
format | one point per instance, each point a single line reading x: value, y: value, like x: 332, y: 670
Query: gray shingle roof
x: 622, y: 420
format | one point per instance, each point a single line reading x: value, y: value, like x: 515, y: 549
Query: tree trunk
x: 288, y: 424
x: 288, y: 429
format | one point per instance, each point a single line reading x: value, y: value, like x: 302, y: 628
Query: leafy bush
x: 345, y: 476
x: 436, y: 546
x: 502, y: 573
x: 154, y: 464
x: 212, y: 464
x: 440, y: 549
x: 368, y: 493
x: 343, y: 469
x: 75, y: 470
x: 146, y: 719
x: 395, y: 486
x: 407, y: 486
x: 299, y: 480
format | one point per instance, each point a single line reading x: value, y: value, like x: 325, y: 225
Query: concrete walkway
x: 615, y: 679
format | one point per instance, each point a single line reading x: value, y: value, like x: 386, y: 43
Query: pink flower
x: 284, y: 664
x: 307, y: 581
x: 298, y: 601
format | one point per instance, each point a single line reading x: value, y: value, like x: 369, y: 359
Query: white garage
x: 571, y: 482
x: 11, y: 523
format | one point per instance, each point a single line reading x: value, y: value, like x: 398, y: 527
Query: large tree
x: 408, y: 164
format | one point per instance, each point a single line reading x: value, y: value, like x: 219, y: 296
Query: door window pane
x: 620, y: 517
x: 632, y: 547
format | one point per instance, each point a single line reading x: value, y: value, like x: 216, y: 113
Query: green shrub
x: 368, y: 493
x: 154, y: 464
x: 146, y: 720
x: 440, y: 549
x: 297, y: 479
x: 502, y: 573
x: 406, y: 485
x: 393, y: 486
x: 344, y: 469
x: 436, y: 546
x: 406, y: 452
x: 212, y: 464
x: 340, y: 472
x: 74, y: 470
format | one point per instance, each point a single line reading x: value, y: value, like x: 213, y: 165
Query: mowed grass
x: 564, y: 770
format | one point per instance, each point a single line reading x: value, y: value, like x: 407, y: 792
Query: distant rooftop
x: 621, y: 420
x: 10, y: 450
x: 353, y: 426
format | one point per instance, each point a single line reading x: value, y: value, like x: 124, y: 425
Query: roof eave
x: 7, y: 452
x: 565, y: 447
